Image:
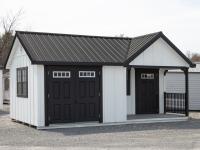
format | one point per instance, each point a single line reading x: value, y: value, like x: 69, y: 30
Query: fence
x: 174, y: 103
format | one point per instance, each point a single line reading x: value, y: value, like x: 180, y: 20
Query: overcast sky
x: 178, y: 19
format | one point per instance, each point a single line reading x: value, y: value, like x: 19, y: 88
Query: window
x: 22, y: 82
x: 86, y: 74
x: 147, y: 76
x: 61, y: 74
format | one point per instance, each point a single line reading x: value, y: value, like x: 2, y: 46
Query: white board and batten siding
x: 131, y: 98
x: 175, y: 83
x: 114, y: 94
x: 159, y: 54
x: 28, y: 110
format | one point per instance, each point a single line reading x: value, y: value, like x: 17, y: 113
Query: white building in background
x: 174, y: 83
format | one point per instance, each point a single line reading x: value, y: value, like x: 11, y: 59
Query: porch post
x: 186, y: 92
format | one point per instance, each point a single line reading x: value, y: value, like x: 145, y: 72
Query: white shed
x: 174, y: 83
x: 62, y: 78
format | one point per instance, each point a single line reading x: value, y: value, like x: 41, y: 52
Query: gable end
x: 159, y: 35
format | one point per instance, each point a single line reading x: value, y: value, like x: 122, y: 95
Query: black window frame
x: 23, y: 82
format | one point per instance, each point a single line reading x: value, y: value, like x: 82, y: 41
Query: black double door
x: 147, y: 91
x: 73, y: 94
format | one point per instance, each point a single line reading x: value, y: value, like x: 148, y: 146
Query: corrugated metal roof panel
x: 138, y: 42
x: 72, y: 48
x: 56, y: 49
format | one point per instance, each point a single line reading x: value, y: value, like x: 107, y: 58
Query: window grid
x: 147, y: 76
x: 86, y: 74
x: 61, y: 74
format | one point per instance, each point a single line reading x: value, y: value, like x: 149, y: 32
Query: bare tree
x: 8, y: 24
x: 195, y: 57
x: 188, y: 54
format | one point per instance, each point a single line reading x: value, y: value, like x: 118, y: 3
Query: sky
x: 179, y: 20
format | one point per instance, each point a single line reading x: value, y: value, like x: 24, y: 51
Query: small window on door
x: 61, y: 74
x: 147, y: 76
x: 86, y: 74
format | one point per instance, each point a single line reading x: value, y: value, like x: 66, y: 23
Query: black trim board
x: 194, y: 110
x: 23, y: 45
x: 101, y: 96
x: 21, y: 41
x: 157, y: 67
x: 181, y: 72
x: 76, y: 63
x: 10, y: 51
x: 45, y: 96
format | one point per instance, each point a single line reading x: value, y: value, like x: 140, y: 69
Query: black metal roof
x: 58, y: 49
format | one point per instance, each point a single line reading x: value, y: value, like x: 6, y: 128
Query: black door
x: 61, y: 95
x: 73, y: 94
x: 88, y: 90
x: 147, y: 91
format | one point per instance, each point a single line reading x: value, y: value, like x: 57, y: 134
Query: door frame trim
x: 157, y: 91
x: 46, y: 103
x: 46, y: 96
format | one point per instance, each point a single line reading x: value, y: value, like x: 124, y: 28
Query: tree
x: 8, y: 24
x: 195, y: 57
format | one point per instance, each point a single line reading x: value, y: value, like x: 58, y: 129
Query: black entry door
x: 147, y: 91
x: 61, y: 95
x: 88, y: 90
x: 73, y: 94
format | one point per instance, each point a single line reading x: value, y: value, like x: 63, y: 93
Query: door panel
x: 61, y: 96
x: 88, y: 89
x: 147, y: 91
x: 73, y: 94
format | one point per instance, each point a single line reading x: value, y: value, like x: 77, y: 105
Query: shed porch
x: 146, y: 92
x: 131, y: 119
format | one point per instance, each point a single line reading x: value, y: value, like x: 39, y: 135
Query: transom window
x: 86, y: 74
x: 22, y: 82
x: 61, y: 74
x: 147, y: 76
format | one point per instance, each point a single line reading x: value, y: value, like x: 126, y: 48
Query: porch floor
x: 131, y: 119
x: 151, y: 116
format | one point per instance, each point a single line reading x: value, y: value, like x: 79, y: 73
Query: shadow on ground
x: 191, y: 124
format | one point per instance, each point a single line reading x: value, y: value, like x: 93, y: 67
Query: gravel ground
x: 181, y: 135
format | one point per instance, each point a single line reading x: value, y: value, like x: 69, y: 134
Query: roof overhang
x: 126, y: 63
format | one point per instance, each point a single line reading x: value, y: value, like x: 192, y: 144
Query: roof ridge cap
x: 160, y: 32
x: 73, y: 35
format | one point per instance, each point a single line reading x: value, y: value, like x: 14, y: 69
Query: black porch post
x: 186, y: 93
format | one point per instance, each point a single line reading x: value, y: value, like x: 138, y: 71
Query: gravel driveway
x: 181, y: 135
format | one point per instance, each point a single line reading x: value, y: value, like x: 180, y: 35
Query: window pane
x: 24, y: 88
x: 19, y: 89
x: 23, y: 75
x: 19, y: 75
